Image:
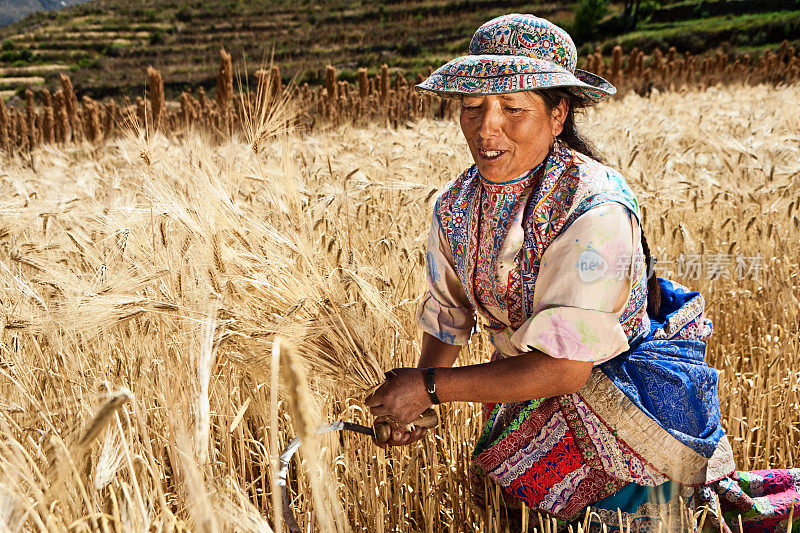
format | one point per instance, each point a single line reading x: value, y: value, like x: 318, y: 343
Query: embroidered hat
x: 514, y: 53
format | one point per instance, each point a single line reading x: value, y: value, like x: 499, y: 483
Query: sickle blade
x: 286, y: 458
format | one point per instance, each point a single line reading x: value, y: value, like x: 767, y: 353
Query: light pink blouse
x: 584, y: 281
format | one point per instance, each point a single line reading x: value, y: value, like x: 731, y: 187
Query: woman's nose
x: 490, y: 123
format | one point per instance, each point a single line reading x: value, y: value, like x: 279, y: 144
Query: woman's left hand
x: 401, y: 399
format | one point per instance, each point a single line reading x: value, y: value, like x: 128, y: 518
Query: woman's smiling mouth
x: 490, y: 155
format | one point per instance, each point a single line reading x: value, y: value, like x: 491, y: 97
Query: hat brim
x: 503, y: 74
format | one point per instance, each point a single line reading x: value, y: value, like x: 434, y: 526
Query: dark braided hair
x: 571, y: 137
x: 653, y: 288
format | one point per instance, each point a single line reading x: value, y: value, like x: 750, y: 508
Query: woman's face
x: 509, y: 134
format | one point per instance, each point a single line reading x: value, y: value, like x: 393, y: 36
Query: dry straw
x: 71, y: 105
x: 30, y: 118
x: 61, y: 117
x: 305, y: 419
x: 91, y: 119
x: 168, y: 264
x: 4, y: 126
x: 384, y: 97
x: 224, y: 81
x: 48, y: 134
x: 158, y: 105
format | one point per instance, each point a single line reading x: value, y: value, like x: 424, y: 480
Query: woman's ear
x: 559, y: 115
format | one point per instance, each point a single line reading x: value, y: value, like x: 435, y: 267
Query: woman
x: 597, y: 393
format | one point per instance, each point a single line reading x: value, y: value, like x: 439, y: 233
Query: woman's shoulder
x: 595, y: 173
x: 593, y: 182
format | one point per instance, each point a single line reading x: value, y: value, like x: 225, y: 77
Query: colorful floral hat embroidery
x: 515, y: 53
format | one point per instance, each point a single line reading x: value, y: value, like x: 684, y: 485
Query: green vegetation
x: 110, y: 43
x: 156, y: 38
x: 728, y: 31
x: 17, y: 58
x: 588, y: 14
x: 184, y: 14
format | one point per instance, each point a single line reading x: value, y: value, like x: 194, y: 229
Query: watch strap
x: 430, y: 385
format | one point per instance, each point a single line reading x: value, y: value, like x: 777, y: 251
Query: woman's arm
x: 436, y: 352
x: 515, y: 379
x: 403, y: 396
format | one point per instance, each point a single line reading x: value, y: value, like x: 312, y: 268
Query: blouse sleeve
x: 445, y: 311
x: 583, y: 286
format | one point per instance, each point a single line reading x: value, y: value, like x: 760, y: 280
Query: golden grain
x: 172, y: 278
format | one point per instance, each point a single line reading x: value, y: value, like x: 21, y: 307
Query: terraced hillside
x: 14, y: 10
x: 107, y: 44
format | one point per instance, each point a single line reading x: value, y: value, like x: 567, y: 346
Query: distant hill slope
x: 14, y: 10
x: 107, y: 44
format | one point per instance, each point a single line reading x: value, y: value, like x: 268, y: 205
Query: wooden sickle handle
x: 428, y: 419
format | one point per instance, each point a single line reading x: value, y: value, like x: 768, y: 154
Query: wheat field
x: 144, y: 282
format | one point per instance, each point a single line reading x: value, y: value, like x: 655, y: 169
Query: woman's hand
x: 403, y: 436
x: 399, y: 401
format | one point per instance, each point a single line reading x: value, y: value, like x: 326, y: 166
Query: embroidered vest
x: 571, y: 184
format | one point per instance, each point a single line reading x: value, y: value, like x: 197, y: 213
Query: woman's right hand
x: 404, y: 437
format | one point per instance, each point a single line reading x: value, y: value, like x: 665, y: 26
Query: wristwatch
x: 431, y: 385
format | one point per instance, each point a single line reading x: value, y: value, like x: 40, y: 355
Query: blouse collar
x: 517, y: 184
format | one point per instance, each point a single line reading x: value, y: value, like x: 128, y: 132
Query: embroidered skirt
x: 647, y: 420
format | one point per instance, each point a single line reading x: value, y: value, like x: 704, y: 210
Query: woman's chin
x: 493, y: 171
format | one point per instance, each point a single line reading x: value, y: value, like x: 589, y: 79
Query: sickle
x: 381, y: 434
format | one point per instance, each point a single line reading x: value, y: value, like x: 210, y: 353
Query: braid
x: 653, y: 287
